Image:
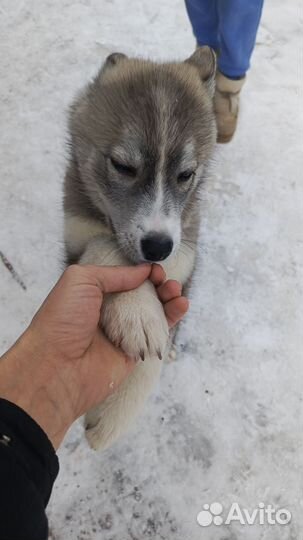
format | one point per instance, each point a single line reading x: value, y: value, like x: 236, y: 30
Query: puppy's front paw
x: 135, y: 322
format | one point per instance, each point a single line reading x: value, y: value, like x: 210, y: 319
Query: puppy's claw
x: 159, y: 355
x: 146, y: 338
x: 142, y: 355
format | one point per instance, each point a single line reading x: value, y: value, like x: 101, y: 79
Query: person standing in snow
x: 229, y: 27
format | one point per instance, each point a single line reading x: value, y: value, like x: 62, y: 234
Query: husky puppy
x: 142, y: 135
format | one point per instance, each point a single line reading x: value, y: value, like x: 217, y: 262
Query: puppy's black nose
x: 156, y: 247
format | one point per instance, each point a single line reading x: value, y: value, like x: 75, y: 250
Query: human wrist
x: 30, y: 380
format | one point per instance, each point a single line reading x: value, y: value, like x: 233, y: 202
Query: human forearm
x: 31, y: 382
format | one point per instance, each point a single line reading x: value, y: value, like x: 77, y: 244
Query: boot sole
x: 223, y: 139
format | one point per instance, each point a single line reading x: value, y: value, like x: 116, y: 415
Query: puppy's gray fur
x: 137, y: 132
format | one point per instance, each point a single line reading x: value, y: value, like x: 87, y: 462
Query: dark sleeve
x: 28, y: 469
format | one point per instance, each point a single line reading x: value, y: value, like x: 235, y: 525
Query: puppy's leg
x: 105, y: 423
x: 181, y: 265
x: 180, y: 268
x: 135, y: 321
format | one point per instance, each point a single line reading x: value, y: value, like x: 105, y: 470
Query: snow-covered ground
x: 225, y: 423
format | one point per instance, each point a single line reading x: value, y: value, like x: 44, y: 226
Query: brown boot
x: 227, y: 106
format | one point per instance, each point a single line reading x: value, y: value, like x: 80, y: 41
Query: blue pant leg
x: 204, y: 20
x: 238, y: 25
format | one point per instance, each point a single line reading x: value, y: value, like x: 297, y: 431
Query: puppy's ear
x: 113, y: 60
x: 205, y: 61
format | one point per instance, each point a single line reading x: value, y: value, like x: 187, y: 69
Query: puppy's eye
x: 121, y: 168
x: 185, y: 176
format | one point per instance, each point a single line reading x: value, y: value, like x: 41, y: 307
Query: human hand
x: 63, y: 364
